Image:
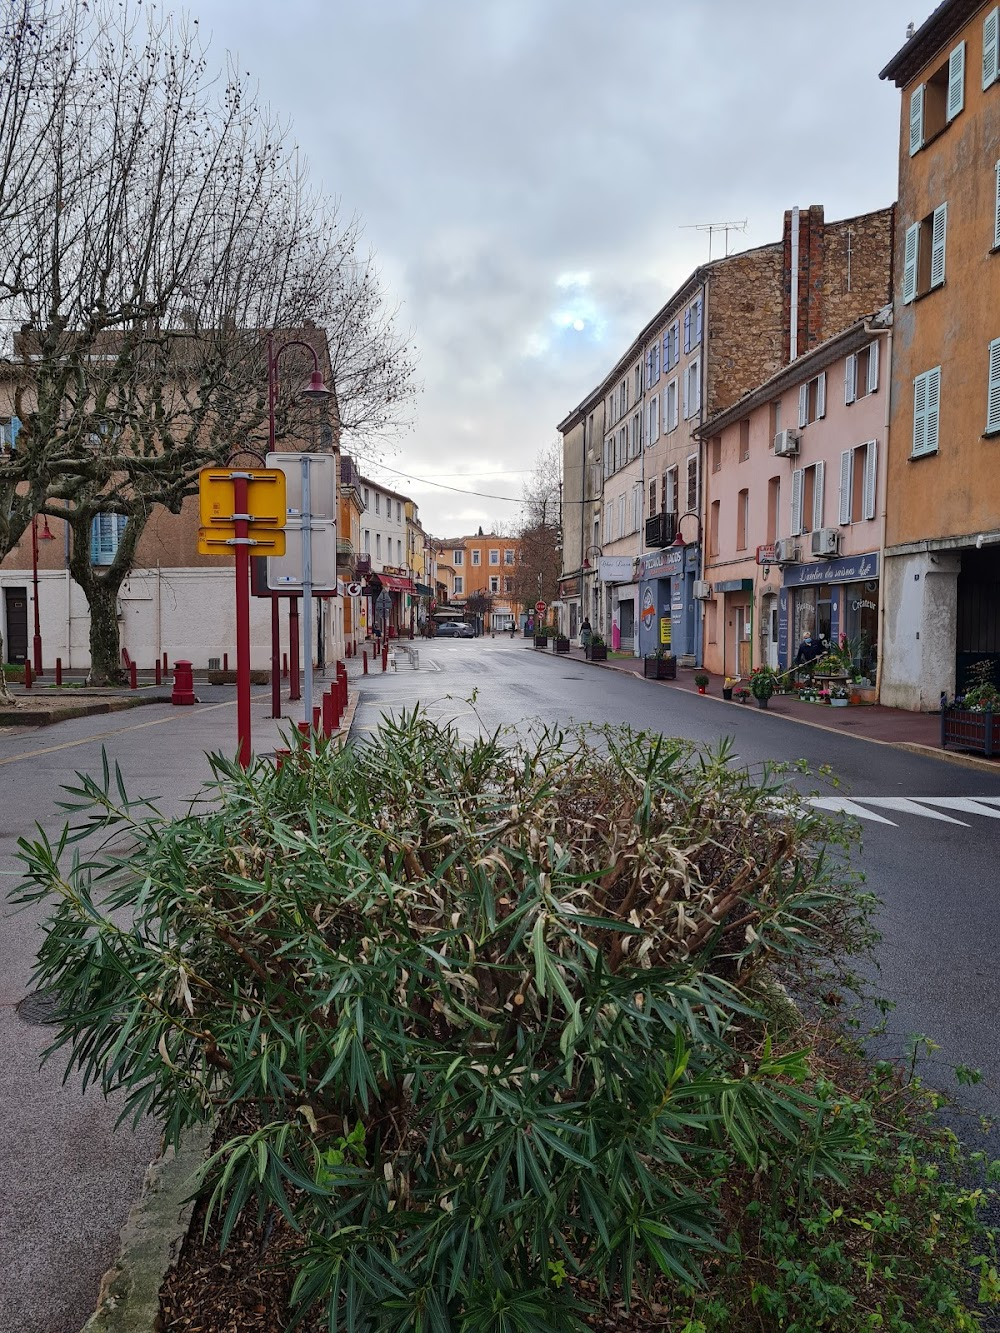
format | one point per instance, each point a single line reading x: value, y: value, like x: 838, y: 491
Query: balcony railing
x: 661, y: 530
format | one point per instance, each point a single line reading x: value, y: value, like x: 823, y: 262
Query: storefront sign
x: 665, y: 631
x: 735, y: 585
x: 767, y: 555
x: 848, y: 569
x: 648, y: 607
x: 662, y: 564
x: 616, y: 568
x: 569, y: 588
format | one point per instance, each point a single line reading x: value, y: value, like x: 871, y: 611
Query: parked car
x: 464, y: 631
x: 455, y: 629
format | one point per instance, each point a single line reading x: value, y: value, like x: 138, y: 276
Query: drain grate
x: 39, y: 1007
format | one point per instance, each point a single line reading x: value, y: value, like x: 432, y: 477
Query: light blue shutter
x: 797, y: 477
x: 919, y: 415
x: 916, y: 120
x: 956, y: 81
x: 687, y: 331
x: 993, y: 397
x: 991, y: 47
x: 871, y: 457
x: 819, y: 476
x: 698, y: 321
x: 933, y: 408
x: 996, y: 224
x: 846, y: 477
x: 910, y: 249
x: 939, y: 232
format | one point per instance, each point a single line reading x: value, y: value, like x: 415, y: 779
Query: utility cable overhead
x: 424, y: 481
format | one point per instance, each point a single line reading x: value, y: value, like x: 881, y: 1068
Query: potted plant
x: 560, y: 643
x: 839, y: 696
x: 763, y: 682
x: 727, y: 687
x: 541, y: 636
x: 701, y: 680
x: 741, y: 694
x: 973, y: 721
x: 661, y: 665
x: 598, y: 649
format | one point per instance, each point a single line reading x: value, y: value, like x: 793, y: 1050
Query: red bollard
x: 284, y: 666
x: 342, y: 685
x: 225, y: 661
x: 316, y: 718
x: 303, y: 728
x: 385, y: 658
x: 27, y: 674
x: 183, y: 691
x: 364, y: 662
x: 58, y: 670
x: 133, y: 679
x: 328, y: 714
x: 159, y: 673
x: 166, y: 664
x: 279, y: 758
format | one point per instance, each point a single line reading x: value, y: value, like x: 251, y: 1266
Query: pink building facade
x: 794, y: 507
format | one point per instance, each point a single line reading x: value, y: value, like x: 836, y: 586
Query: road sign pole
x: 307, y: 598
x: 275, y: 658
x: 242, y: 617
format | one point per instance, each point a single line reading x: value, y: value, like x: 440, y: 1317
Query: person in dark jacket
x: 586, y: 634
x: 810, y: 649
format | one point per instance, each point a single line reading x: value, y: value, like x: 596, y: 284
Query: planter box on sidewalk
x: 660, y: 668
x: 598, y: 652
x: 560, y: 645
x: 966, y: 730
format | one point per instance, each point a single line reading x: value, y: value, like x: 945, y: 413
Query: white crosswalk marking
x: 867, y: 807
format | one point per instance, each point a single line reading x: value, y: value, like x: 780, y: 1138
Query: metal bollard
x: 342, y: 685
x: 133, y: 679
x: 27, y: 674
x: 58, y: 670
x: 385, y: 658
x: 166, y: 664
x: 284, y: 666
x: 225, y: 661
x: 364, y: 662
x: 328, y: 714
x: 317, y: 711
x: 159, y: 672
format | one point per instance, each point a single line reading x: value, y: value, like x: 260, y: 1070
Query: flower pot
x: 727, y: 693
x: 762, y: 703
x: 839, y: 703
x: 702, y: 689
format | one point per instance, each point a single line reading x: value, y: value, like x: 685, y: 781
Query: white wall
x: 917, y: 643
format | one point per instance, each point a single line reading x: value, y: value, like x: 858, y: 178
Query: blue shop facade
x: 831, y: 598
x: 669, y: 616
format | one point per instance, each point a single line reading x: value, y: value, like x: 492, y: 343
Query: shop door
x: 743, y: 641
x: 626, y: 613
x: 16, y: 601
x: 769, y: 630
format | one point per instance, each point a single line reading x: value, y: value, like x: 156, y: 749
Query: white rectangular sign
x: 322, y: 483
x: 616, y: 568
x: 284, y: 572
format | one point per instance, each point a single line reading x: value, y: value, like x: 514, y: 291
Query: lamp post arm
x: 272, y: 379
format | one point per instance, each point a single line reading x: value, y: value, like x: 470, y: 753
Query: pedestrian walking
x: 586, y: 634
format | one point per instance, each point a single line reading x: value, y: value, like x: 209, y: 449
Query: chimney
x: 804, y: 251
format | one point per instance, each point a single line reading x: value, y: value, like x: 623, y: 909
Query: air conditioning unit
x: 787, y: 552
x: 786, y: 442
x: 702, y: 590
x: 826, y: 541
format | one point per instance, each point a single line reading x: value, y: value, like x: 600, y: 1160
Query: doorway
x: 16, y: 605
x: 743, y: 641
x: 769, y: 629
x: 626, y: 614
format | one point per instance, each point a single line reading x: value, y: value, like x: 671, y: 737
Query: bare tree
x: 540, y: 559
x: 161, y: 222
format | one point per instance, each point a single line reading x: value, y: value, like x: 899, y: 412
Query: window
x: 670, y: 406
x: 378, y: 501
x: 857, y: 483
x: 459, y: 585
x: 635, y: 435
x: 368, y: 542
x: 671, y: 346
x: 653, y: 364
x: 399, y: 511
x: 652, y: 500
x: 636, y: 507
x: 105, y: 537
x: 692, y: 325
x: 926, y: 411
x: 775, y: 419
x: 494, y: 557
x: 713, y: 528
x: 861, y: 373
x: 621, y: 515
x: 744, y: 439
x: 508, y: 585
x: 807, y: 498
x: 623, y: 398
x: 812, y: 400
x: 653, y: 410
x: 773, y: 507
x: 378, y: 543
x: 609, y: 516
x: 494, y: 583
x: 609, y: 456
x: 991, y: 47
x: 923, y: 254
x: 742, y: 519
x: 9, y: 430
x: 692, y: 482
x: 993, y: 393
x: 715, y: 452
x: 457, y: 557
x: 399, y: 551
x: 692, y: 389
x: 670, y: 491
x: 366, y: 497
x: 508, y: 556
x: 936, y: 103
x: 476, y: 555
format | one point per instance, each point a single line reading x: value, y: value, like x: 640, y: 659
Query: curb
x: 151, y: 1241
x: 15, y: 718
x: 950, y: 756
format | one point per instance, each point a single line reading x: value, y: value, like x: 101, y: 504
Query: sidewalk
x: 892, y: 726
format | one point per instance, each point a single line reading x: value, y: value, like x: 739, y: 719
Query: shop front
x: 831, y: 598
x: 570, y: 615
x: 668, y: 613
x: 618, y: 610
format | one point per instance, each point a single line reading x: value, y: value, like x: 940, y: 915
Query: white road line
x: 971, y: 805
x: 907, y: 807
x: 841, y: 805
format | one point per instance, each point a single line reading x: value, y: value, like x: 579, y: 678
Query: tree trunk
x: 105, y: 640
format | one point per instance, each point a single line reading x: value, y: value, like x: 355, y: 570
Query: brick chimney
x: 804, y: 253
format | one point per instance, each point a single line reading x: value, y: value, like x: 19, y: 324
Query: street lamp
x: 316, y: 390
x: 679, y: 539
x: 46, y: 536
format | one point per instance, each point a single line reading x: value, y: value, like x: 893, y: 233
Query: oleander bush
x: 492, y: 1028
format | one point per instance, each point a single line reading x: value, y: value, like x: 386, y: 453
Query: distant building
x: 481, y: 577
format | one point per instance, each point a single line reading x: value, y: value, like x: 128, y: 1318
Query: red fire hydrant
x: 183, y: 691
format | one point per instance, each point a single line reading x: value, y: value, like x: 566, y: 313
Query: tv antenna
x: 712, y: 228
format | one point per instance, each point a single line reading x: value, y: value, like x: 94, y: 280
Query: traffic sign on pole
x: 539, y: 607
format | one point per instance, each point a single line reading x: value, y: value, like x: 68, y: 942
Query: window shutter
x: 933, y: 408
x: 991, y: 46
x: 687, y: 412
x: 666, y: 349
x: 910, y: 248
x: 993, y: 399
x: 871, y: 458
x: 649, y: 365
x: 919, y: 415
x: 797, y: 478
x: 846, y: 476
x: 95, y: 541
x: 873, y: 366
x: 939, y: 232
x: 821, y: 394
x: 687, y: 329
x: 819, y: 473
x: 803, y: 404
x: 917, y: 119
x: 850, y: 378
x: 698, y: 322
x: 673, y: 416
x: 996, y: 225
x: 956, y: 81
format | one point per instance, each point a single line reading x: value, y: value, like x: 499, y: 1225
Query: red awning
x: 395, y: 584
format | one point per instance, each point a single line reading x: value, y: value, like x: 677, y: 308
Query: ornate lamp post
x: 36, y: 642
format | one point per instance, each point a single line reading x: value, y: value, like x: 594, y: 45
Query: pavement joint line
x: 117, y: 731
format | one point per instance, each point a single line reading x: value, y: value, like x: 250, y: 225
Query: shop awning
x: 393, y: 583
x: 422, y: 590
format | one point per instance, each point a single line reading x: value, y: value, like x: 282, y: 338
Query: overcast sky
x: 530, y: 173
